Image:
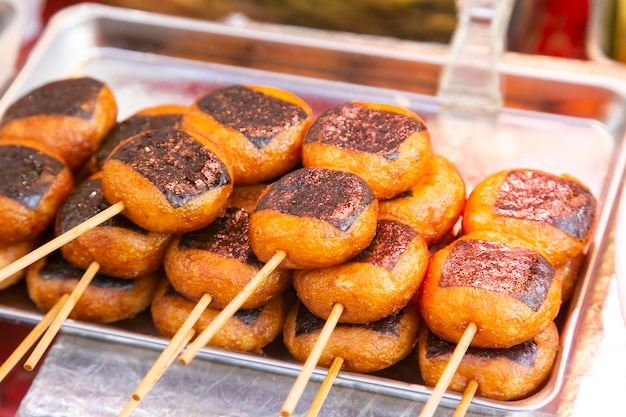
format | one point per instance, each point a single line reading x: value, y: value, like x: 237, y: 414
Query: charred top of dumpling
x: 391, y: 241
x: 85, y: 201
x: 133, y: 126
x: 75, y: 97
x: 178, y: 165
x: 520, y: 273
x: 335, y: 197
x: 355, y: 126
x: 27, y: 174
x: 258, y: 116
x: 560, y: 202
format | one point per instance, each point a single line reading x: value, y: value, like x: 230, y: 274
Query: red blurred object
x: 52, y: 6
x: 564, y: 30
x: 14, y: 387
x: 551, y: 27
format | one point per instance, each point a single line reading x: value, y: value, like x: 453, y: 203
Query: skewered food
x: 260, y: 129
x: 366, y: 347
x: 501, y: 374
x: 218, y: 260
x: 169, y: 180
x: 376, y: 283
x: 319, y: 217
x: 34, y: 183
x: 121, y: 248
x: 107, y: 299
x: 248, y: 330
x: 388, y: 146
x: 69, y: 116
x: 499, y: 282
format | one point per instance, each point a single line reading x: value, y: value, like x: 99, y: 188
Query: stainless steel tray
x: 553, y: 120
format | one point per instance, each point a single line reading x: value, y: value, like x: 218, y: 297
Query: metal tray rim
x: 77, y: 14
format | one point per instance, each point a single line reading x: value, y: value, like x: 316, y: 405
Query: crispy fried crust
x: 121, y: 248
x: 147, y: 206
x: 387, y: 175
x: 248, y: 330
x: 18, y: 221
x: 309, y: 240
x: 501, y: 374
x: 364, y: 348
x: 377, y: 283
x: 556, y: 214
x: 516, y: 297
x: 74, y: 136
x: 434, y: 204
x: 116, y: 299
x: 253, y: 164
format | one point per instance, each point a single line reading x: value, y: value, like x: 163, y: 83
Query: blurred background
x: 544, y: 27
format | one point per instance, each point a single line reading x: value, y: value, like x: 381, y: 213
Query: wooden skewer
x: 60, y: 240
x: 31, y: 338
x: 128, y: 408
x: 65, y: 311
x: 468, y: 395
x: 230, y: 309
x: 311, y: 362
x: 162, y: 363
x: 327, y: 384
x: 180, y: 339
x: 457, y: 355
x: 158, y: 368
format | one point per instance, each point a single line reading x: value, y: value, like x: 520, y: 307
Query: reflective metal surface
x: 554, y: 119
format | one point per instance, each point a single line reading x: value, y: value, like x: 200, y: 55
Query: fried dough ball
x: 569, y: 272
x: 106, y: 299
x: 319, y: 217
x: 169, y: 180
x: 33, y: 185
x: 498, y: 282
x: 363, y: 347
x: 218, y: 260
x: 69, y: 116
x: 260, y: 129
x: 249, y: 330
x: 378, y: 282
x: 9, y: 253
x: 435, y: 202
x: 555, y: 213
x: 386, y: 145
x: 123, y: 249
x: 501, y: 374
x: 158, y: 117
